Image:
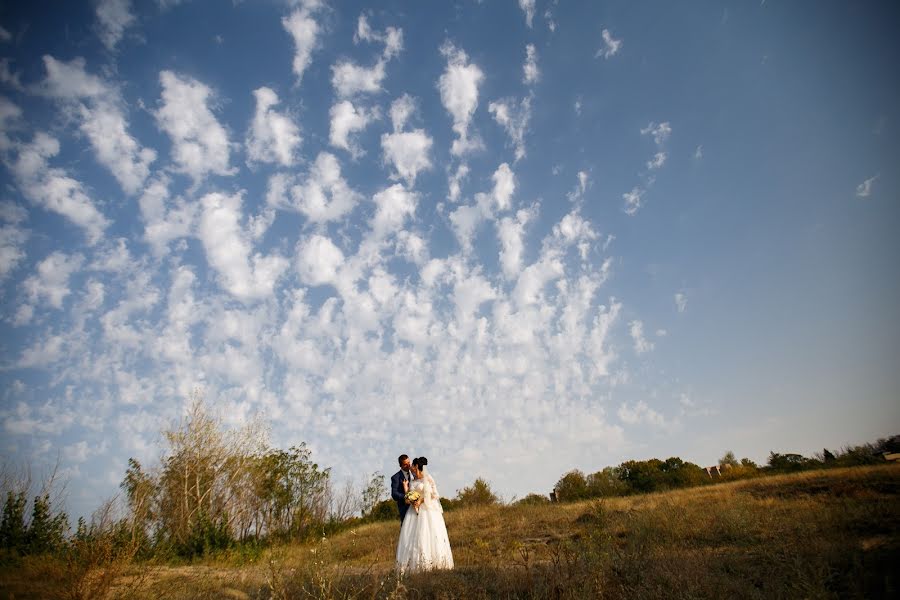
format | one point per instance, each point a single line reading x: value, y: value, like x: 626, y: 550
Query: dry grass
x: 820, y: 534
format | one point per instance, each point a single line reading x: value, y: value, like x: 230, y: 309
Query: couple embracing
x: 424, y: 544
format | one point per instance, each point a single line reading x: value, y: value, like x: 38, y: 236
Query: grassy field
x: 818, y: 534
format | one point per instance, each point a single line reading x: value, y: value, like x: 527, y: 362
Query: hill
x: 829, y: 533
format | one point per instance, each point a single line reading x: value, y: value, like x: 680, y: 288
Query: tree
x: 571, y: 487
x: 386, y: 510
x: 477, y: 494
x: 679, y: 474
x: 533, y: 500
x: 606, y: 483
x: 46, y: 532
x: 729, y: 460
x: 203, y: 479
x: 787, y: 462
x: 12, y: 527
x: 372, y: 493
x: 140, y: 491
x: 641, y: 475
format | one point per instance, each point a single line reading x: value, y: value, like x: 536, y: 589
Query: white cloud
x: 100, y: 109
x: 531, y: 73
x: 454, y: 182
x: 392, y: 38
x: 658, y: 160
x: 10, y: 118
x: 514, y: 120
x: 51, y: 282
x: 401, y: 110
x: 551, y: 23
x: 510, y: 232
x: 408, y: 153
x: 639, y: 413
x: 228, y: 250
x: 698, y: 153
x: 70, y: 81
x: 113, y: 18
x: 466, y: 219
x: 459, y: 94
x: 304, y: 30
x: 611, y: 46
x: 5, y: 36
x: 165, y: 220
x: 318, y: 260
x: 350, y: 80
x: 504, y: 186
x: 199, y: 142
x: 273, y: 137
x: 527, y: 7
x: 641, y: 345
x: 864, y: 190
x: 324, y: 195
x: 393, y: 206
x: 680, y: 302
x: 660, y: 132
x: 52, y: 188
x: 346, y: 120
x: 633, y: 200
x: 11, y: 252
x: 573, y: 228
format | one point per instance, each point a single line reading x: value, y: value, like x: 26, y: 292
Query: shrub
x: 477, y: 494
x: 385, y: 510
x: 572, y: 486
x: 533, y: 499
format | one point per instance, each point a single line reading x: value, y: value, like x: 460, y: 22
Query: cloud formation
x: 273, y: 137
x: 199, y: 142
x: 459, y: 93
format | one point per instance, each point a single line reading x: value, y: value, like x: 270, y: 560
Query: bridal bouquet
x: 412, y: 496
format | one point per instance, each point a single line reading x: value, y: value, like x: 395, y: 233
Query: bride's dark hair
x: 422, y: 461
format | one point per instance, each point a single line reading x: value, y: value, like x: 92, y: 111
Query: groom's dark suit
x: 397, y: 492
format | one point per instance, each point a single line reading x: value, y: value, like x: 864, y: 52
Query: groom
x: 397, y: 480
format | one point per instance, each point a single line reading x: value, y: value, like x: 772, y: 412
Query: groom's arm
x: 397, y: 489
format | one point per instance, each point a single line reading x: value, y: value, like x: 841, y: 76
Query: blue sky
x: 516, y: 237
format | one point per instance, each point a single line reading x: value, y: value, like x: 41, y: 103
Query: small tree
x: 12, y: 527
x: 533, y: 500
x: 46, y: 532
x: 787, y: 462
x: 729, y: 460
x: 606, y: 483
x: 572, y: 486
x: 372, y: 493
x: 477, y: 494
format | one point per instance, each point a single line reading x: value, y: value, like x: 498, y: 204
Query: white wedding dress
x: 424, y: 544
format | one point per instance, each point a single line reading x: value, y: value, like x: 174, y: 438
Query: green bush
x: 532, y: 500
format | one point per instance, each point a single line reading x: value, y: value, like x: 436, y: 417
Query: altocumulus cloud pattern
x: 478, y: 231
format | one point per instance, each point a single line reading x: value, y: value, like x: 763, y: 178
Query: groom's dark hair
x: 401, y: 458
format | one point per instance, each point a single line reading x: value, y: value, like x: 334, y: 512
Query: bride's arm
x: 433, y: 491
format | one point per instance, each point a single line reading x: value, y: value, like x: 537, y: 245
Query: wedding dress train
x: 424, y: 544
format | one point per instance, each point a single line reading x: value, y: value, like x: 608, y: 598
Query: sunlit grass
x: 816, y: 534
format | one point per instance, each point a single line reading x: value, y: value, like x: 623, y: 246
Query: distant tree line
x: 655, y: 475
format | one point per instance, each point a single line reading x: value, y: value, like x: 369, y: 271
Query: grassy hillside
x: 817, y: 534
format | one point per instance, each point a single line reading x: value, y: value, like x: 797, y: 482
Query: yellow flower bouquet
x: 412, y: 496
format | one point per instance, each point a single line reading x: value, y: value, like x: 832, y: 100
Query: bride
x: 423, y: 544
